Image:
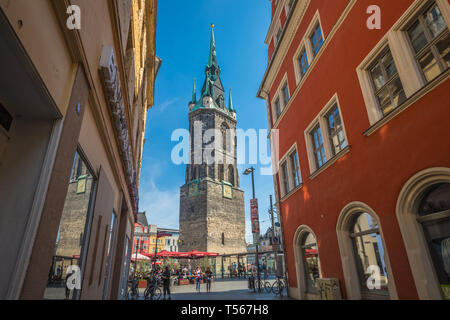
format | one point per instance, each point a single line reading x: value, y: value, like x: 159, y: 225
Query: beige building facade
x: 76, y: 83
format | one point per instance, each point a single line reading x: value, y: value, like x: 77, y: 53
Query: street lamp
x: 255, y: 235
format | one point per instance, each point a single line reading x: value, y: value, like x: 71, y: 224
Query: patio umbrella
x: 139, y: 257
x: 201, y: 254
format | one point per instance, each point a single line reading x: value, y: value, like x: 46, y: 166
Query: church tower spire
x: 212, y: 94
x: 212, y: 49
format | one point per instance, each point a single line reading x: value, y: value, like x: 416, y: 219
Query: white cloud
x: 161, y: 206
x: 162, y: 106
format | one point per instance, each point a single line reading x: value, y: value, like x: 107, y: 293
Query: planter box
x: 183, y: 282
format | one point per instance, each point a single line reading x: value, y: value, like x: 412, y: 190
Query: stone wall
x: 203, y: 219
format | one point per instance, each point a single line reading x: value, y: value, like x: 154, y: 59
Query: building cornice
x: 276, y: 16
x: 289, y: 31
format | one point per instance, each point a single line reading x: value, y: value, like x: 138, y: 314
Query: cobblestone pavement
x: 221, y: 290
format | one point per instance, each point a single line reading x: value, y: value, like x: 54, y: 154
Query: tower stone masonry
x: 212, y: 214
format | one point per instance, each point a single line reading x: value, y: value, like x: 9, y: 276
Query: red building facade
x: 363, y: 170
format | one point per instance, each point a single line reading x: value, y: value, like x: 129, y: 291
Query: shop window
x: 71, y: 242
x: 310, y: 256
x: 109, y: 253
x: 434, y: 216
x: 369, y: 254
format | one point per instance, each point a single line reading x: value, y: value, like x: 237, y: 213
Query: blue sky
x: 183, y: 34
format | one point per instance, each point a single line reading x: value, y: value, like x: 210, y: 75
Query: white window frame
x: 276, y: 40
x: 306, y: 45
x: 404, y: 58
x: 286, y: 8
x: 287, y: 159
x: 279, y: 95
x: 321, y: 120
x: 302, y: 47
x: 310, y: 31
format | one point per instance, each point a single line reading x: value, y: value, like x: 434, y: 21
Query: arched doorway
x: 307, y: 263
x: 365, y: 261
x: 423, y: 212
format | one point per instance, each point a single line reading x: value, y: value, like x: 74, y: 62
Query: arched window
x: 224, y: 129
x: 434, y: 216
x: 195, y: 172
x: 423, y: 214
x: 310, y: 256
x: 364, y: 256
x: 221, y: 172
x: 231, y: 174
x: 369, y: 254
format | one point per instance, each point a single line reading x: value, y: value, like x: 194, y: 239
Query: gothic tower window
x: 224, y: 129
x: 231, y: 174
x: 196, y: 172
x: 221, y: 172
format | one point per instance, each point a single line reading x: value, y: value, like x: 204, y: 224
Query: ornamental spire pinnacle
x: 212, y: 49
x: 194, y: 93
x: 230, y: 102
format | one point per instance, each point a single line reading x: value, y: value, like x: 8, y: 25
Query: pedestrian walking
x: 166, y: 282
x: 208, y: 274
x: 198, y: 278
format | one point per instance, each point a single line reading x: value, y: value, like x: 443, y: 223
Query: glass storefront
x: 369, y: 254
x: 311, y: 262
x: 434, y: 216
x: 64, y: 279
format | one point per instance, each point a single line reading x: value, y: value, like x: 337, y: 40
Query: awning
x: 139, y: 257
x: 194, y: 254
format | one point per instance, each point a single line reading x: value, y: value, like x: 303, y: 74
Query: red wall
x: 377, y: 167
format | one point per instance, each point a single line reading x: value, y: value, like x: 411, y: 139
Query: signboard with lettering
x: 161, y: 234
x: 254, y: 215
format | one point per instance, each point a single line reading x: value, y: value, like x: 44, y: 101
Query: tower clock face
x: 207, y: 102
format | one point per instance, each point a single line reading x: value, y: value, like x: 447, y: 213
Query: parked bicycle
x: 279, y: 285
x: 132, y: 290
x: 152, y: 292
